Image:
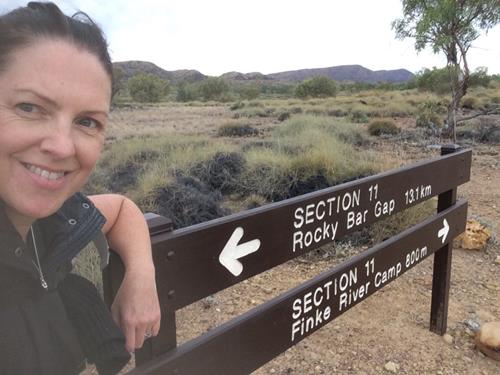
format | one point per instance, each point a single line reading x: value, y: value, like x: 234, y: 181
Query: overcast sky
x: 218, y: 36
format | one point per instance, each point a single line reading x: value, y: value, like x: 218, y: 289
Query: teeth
x: 44, y: 173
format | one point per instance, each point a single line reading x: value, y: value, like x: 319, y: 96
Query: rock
x: 475, y: 237
x: 392, y: 367
x: 208, y: 302
x: 472, y: 325
x: 272, y: 371
x: 488, y: 340
x: 497, y: 261
x: 448, y: 338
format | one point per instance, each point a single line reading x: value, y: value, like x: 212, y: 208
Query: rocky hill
x: 131, y: 68
x: 354, y: 73
x: 350, y: 73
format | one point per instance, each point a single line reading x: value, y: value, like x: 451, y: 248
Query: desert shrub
x: 255, y: 111
x: 306, y: 153
x: 495, y: 100
x: 147, y: 88
x: 358, y: 117
x: 188, y: 201
x: 237, y: 105
x: 480, y: 77
x: 317, y: 87
x: 337, y: 112
x: 434, y: 80
x: 470, y: 102
x: 430, y: 115
x: 383, y: 126
x: 234, y: 129
x: 484, y: 130
x: 187, y: 92
x: 315, y: 111
x: 284, y: 116
x: 213, y: 89
x: 438, y: 79
x: 220, y: 172
x: 249, y: 92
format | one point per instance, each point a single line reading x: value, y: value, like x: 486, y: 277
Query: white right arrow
x: 443, y: 232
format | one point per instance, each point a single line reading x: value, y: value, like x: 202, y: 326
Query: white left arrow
x: 443, y: 232
x: 232, y: 251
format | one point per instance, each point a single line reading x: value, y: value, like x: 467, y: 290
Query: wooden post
x: 112, y: 277
x: 442, y: 264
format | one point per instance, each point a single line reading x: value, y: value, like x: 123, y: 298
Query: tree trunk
x: 459, y: 83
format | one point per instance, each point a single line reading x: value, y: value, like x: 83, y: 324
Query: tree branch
x: 494, y: 111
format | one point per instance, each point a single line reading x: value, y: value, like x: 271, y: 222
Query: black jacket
x: 52, y: 331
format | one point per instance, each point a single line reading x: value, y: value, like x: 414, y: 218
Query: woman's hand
x: 136, y: 308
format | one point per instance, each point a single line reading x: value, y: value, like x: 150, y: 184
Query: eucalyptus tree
x: 449, y: 27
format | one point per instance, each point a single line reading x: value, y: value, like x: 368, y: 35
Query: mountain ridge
x: 341, y: 73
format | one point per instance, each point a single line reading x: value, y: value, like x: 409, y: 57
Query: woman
x: 55, y: 93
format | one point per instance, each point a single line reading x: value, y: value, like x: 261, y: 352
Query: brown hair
x: 22, y: 26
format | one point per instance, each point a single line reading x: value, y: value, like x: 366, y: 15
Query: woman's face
x: 54, y: 106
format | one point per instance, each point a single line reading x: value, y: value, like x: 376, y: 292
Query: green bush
x: 284, y: 116
x: 147, y: 88
x: 379, y: 127
x: 214, y: 89
x: 249, y: 92
x: 236, y: 105
x: 438, y: 80
x: 317, y: 87
x: 469, y: 102
x: 435, y: 80
x: 358, y: 117
x: 187, y: 93
x: 430, y: 115
x: 234, y: 129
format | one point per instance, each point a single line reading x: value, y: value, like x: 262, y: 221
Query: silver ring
x: 147, y: 335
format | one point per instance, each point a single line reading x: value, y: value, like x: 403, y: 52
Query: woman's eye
x: 28, y: 107
x: 89, y: 123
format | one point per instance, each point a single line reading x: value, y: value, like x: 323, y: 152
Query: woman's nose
x: 59, y: 142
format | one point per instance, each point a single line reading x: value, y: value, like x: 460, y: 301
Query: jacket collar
x: 65, y: 233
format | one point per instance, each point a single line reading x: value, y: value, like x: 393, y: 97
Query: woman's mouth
x: 46, y: 174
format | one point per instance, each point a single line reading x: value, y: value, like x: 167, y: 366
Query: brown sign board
x: 206, y: 258
x: 243, y: 344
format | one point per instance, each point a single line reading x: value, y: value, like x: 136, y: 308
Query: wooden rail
x: 195, y: 262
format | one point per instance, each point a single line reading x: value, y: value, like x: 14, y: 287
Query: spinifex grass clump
x: 306, y: 153
x: 383, y: 126
x: 236, y: 129
x: 190, y: 178
x: 164, y: 181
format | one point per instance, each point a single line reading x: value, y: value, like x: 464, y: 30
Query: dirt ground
x: 393, y: 324
x: 390, y: 328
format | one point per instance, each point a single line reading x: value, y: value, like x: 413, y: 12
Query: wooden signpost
x: 194, y: 262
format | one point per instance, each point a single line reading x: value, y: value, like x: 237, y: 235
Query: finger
x: 139, y: 336
x: 130, y: 340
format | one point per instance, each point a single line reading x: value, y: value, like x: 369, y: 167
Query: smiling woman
x: 55, y: 92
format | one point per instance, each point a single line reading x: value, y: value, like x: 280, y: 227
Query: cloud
x: 268, y: 36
